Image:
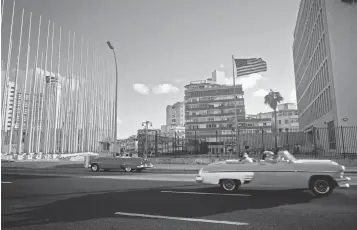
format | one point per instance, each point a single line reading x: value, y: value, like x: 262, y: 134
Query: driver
x: 269, y: 156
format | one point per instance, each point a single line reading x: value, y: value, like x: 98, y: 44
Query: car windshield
x: 288, y: 156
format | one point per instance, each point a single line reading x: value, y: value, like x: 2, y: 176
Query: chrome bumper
x: 343, y: 182
x: 199, y: 179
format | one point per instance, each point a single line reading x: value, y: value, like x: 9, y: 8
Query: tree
x: 273, y: 99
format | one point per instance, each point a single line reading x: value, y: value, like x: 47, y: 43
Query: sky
x: 162, y: 45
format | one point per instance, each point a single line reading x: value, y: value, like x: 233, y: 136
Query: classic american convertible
x: 286, y: 172
x: 125, y: 161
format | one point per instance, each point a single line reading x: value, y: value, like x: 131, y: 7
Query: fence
x: 319, y: 142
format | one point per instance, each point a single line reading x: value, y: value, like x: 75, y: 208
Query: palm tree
x: 273, y: 99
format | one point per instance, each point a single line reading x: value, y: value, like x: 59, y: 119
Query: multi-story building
x: 287, y: 118
x: 210, y: 108
x: 325, y: 57
x: 172, y: 130
x: 175, y: 114
x: 10, y: 97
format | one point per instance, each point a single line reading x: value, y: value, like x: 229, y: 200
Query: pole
x: 14, y: 110
x: 42, y: 135
x: 34, y: 91
x: 343, y: 143
x: 6, y: 82
x: 116, y: 96
x: 235, y: 108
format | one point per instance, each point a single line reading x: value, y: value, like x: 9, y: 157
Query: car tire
x: 128, y: 169
x: 94, y: 168
x: 229, y: 185
x: 321, y: 186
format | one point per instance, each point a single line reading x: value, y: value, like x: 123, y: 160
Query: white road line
x: 181, y: 218
x: 140, y: 178
x: 206, y: 193
x: 6, y: 182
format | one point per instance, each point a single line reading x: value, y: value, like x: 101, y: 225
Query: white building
x: 9, y: 106
x: 325, y: 57
x: 170, y: 130
x: 287, y: 117
x: 175, y: 114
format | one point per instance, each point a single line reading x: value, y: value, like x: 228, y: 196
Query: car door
x: 278, y: 175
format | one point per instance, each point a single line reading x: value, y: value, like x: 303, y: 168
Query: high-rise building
x: 175, y: 114
x: 325, y: 57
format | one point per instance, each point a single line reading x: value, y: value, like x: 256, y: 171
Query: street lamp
x: 116, y: 91
x: 146, y: 125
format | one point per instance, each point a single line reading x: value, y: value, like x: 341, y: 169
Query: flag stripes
x: 250, y: 66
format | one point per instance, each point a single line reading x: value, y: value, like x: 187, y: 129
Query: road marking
x: 181, y: 218
x: 206, y: 193
x: 6, y: 182
x: 161, y: 178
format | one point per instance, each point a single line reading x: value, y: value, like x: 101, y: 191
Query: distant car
x: 285, y: 172
x: 127, y: 161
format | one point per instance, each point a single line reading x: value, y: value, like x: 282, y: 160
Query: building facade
x: 172, y: 130
x: 210, y: 109
x: 325, y: 57
x: 287, y: 118
x: 175, y: 114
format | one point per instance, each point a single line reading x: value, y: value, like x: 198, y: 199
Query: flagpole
x: 23, y: 97
x: 14, y: 110
x: 235, y: 110
x: 34, y: 88
x: 80, y: 111
x: 40, y: 108
x: 42, y: 132
x: 57, y: 93
x: 71, y: 107
x: 6, y: 81
x: 84, y: 101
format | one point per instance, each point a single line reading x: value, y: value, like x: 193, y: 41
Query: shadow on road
x: 153, y: 202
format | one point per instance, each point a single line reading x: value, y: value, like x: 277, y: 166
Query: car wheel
x: 229, y: 185
x: 94, y: 167
x: 321, y: 186
x: 128, y: 169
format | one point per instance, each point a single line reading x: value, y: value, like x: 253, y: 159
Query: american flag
x: 250, y: 66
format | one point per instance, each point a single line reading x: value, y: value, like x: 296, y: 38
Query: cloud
x: 141, y: 88
x: 292, y: 96
x: 155, y: 89
x: 165, y: 89
x: 221, y: 66
x: 260, y: 93
x: 247, y: 82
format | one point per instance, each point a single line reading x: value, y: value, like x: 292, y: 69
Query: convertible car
x: 285, y: 172
x: 127, y: 161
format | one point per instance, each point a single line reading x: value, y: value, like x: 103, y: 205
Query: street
x: 152, y: 201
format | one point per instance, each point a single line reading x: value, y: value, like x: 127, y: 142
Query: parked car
x: 284, y: 172
x: 126, y: 161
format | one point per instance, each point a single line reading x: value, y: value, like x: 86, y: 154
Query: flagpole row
x: 14, y: 110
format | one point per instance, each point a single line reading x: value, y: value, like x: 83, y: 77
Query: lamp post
x: 146, y: 125
x: 116, y: 91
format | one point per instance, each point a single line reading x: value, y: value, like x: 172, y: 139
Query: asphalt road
x: 73, y: 202
x: 86, y: 171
